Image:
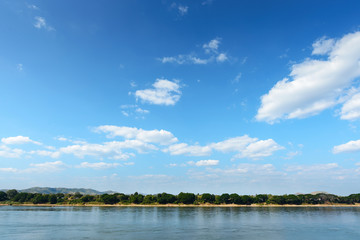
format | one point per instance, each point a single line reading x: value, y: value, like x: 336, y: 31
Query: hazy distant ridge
x: 48, y: 190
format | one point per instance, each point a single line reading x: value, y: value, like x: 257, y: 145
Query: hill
x: 48, y: 190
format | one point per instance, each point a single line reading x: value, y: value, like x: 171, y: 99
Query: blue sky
x: 199, y: 96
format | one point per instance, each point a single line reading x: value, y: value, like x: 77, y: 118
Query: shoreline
x: 180, y: 205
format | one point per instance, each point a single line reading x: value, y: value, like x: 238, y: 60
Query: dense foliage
x: 13, y: 197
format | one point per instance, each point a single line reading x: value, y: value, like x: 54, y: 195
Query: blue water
x: 18, y: 222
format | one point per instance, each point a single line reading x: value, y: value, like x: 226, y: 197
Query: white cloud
x: 62, y: 139
x: 183, y: 59
x: 351, y: 108
x: 46, y: 167
x: 12, y: 170
x: 291, y: 155
x: 179, y: 59
x: 211, y: 55
x: 142, y: 111
x: 351, y: 146
x: 221, y: 57
x: 32, y: 6
x: 20, y: 67
x: 237, y: 78
x: 162, y: 137
x: 235, y: 144
x: 52, y: 154
x: 246, y: 168
x: 244, y: 146
x: 212, y: 46
x: 126, y: 114
x: 207, y: 2
x: 164, y: 92
x: 129, y: 163
x: 41, y: 23
x: 18, y: 140
x: 152, y: 177
x: 316, y: 85
x: 185, y: 149
x: 323, y: 46
x: 259, y: 149
x: 197, y: 60
x: 7, y: 152
x: 202, y: 163
x: 131, y: 110
x: 312, y: 168
x: 183, y: 10
x: 112, y: 150
x: 98, y: 165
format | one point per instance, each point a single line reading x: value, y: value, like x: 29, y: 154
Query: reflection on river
x: 22, y: 222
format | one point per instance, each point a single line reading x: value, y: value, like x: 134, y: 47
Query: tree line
x: 13, y: 197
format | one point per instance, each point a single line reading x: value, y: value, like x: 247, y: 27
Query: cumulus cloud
x: 162, y: 137
x: 202, y: 163
x: 212, y: 54
x: 312, y: 168
x: 212, y: 46
x: 8, y: 152
x: 164, y: 92
x: 233, y: 144
x: 32, y: 6
x: 45, y: 153
x: 41, y: 23
x: 20, y: 67
x: 18, y: 140
x: 314, y: 85
x: 259, y: 149
x: 351, y: 146
x: 246, y: 168
x: 182, y: 59
x: 323, y: 46
x: 98, y: 165
x: 112, y: 150
x: 183, y: 10
x: 9, y: 170
x: 244, y: 147
x: 221, y: 57
x: 46, y: 167
x: 351, y: 108
x: 185, y: 149
x: 133, y: 110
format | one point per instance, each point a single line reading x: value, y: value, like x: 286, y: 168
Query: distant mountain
x: 319, y: 192
x: 47, y: 190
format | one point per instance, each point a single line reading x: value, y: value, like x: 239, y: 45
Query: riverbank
x: 179, y: 205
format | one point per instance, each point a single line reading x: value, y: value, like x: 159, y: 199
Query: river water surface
x: 22, y: 222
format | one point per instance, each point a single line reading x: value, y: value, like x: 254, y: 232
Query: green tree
x: 109, y: 199
x: 247, y: 200
x: 11, y: 193
x: 149, y: 199
x: 276, y: 200
x: 292, y: 199
x: 136, y: 198
x: 165, y: 198
x: 235, y: 198
x: 224, y: 198
x: 52, y: 199
x: 261, y: 198
x: 208, y: 198
x: 20, y: 197
x: 186, y: 198
x: 40, y: 198
x: 87, y: 198
x: 3, y: 196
